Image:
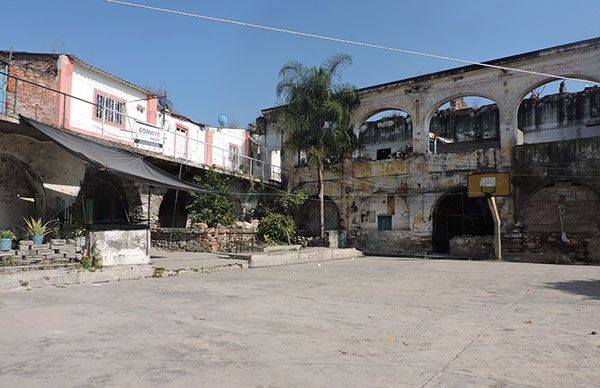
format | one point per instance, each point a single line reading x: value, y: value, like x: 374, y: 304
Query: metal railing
x: 15, y: 98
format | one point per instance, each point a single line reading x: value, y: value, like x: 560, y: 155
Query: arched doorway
x: 104, y: 198
x: 21, y: 193
x: 458, y: 215
x: 309, y: 216
x: 174, y: 214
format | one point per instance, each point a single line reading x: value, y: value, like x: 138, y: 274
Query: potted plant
x: 6, y: 239
x: 37, y: 229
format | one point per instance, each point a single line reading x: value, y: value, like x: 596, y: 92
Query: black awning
x: 113, y: 159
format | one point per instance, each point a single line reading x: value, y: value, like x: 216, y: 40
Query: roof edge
x: 498, y: 61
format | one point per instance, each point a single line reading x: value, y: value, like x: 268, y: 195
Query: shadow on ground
x: 587, y: 288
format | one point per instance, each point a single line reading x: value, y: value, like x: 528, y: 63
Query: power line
x: 345, y: 41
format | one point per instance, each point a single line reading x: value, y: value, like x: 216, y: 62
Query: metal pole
x: 176, y: 198
x: 15, y: 97
x: 149, y: 191
x: 497, y: 225
x: 175, y: 208
x: 149, y: 234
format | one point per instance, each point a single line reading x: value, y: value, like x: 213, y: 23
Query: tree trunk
x: 321, y: 200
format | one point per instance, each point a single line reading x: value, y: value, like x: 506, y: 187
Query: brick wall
x: 31, y: 100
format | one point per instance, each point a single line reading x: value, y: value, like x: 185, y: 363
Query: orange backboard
x: 493, y: 184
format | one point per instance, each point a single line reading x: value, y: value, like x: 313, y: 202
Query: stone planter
x: 5, y: 244
x: 81, y: 241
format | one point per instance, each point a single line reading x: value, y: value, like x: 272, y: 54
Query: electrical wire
x: 346, y: 41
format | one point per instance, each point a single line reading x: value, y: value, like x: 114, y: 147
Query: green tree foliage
x: 317, y: 114
x: 212, y: 208
x: 277, y: 228
x: 275, y: 214
x: 287, y: 202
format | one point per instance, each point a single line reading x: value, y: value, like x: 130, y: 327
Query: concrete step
x: 309, y: 255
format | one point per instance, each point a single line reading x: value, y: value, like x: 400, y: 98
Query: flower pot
x: 38, y: 239
x: 5, y: 244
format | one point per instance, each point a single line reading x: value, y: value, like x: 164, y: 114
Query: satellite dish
x: 223, y: 120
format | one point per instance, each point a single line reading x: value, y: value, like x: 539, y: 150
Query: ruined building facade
x: 404, y: 190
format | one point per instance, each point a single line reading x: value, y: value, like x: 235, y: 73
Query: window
x: 234, y: 151
x: 384, y: 153
x: 384, y: 222
x: 110, y: 109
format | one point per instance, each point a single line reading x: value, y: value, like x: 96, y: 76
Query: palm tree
x: 316, y: 114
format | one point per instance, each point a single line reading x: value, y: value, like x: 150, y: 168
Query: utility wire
x: 346, y: 41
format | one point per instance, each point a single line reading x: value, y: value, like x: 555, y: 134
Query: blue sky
x: 210, y: 68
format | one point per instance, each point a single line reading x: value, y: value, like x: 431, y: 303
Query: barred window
x: 234, y: 153
x: 110, y: 109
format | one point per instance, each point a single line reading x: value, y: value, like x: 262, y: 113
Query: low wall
x: 120, y: 247
x: 203, y: 240
x: 311, y: 255
x: 472, y: 247
x: 392, y: 242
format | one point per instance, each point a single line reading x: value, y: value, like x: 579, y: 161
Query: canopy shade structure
x: 113, y: 159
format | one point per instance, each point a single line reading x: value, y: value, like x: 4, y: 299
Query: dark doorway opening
x: 174, y: 214
x: 308, y: 219
x: 457, y: 215
x: 105, y: 200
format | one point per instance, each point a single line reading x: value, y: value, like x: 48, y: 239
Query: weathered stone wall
x: 394, y: 132
x: 554, y: 180
x: 472, y: 247
x: 204, y: 239
x: 561, y: 116
x: 467, y: 124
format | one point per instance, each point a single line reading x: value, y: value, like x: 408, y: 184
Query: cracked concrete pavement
x: 363, y: 322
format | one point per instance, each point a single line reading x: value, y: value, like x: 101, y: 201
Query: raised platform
x: 309, y: 255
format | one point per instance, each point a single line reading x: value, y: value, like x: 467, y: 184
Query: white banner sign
x: 148, y: 137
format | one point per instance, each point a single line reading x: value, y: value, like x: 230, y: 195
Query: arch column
x: 420, y: 130
x: 509, y: 131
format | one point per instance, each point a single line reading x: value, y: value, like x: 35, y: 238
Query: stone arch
x: 463, y: 122
x: 109, y: 199
x: 523, y: 92
x: 363, y: 115
x: 556, y: 115
x: 455, y: 214
x: 384, y: 133
x: 562, y: 217
x: 21, y: 193
x: 173, y: 211
x: 309, y: 216
x: 384, y: 204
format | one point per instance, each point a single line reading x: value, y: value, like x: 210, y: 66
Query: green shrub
x: 7, y: 234
x: 277, y: 228
x: 212, y: 208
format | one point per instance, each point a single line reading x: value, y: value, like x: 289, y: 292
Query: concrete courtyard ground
x: 366, y: 322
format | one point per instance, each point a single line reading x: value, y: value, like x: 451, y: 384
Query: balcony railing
x: 19, y: 96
